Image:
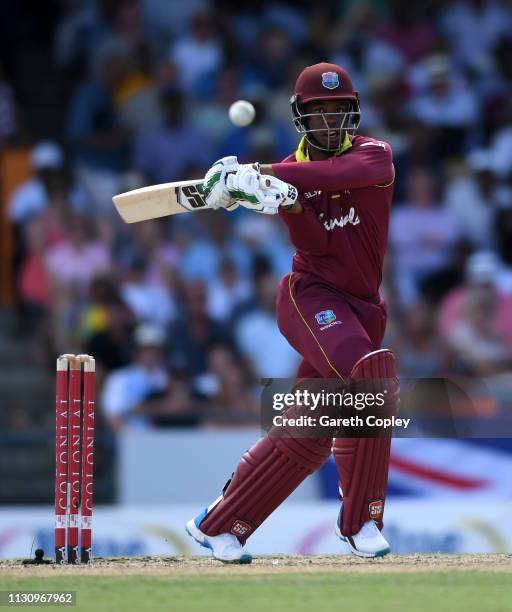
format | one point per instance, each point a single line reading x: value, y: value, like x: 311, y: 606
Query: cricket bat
x: 160, y: 201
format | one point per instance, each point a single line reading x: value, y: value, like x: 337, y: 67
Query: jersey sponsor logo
x: 325, y: 317
x: 376, y: 509
x: 240, y: 528
x: 349, y: 219
x: 330, y: 80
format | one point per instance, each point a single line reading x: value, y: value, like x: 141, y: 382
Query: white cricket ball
x: 242, y: 113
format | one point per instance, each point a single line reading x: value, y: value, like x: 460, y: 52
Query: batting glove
x: 260, y: 193
x: 215, y: 191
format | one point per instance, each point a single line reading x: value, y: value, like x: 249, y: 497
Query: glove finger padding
x: 259, y: 193
x: 215, y: 191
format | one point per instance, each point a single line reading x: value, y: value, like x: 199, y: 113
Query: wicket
x: 74, y: 457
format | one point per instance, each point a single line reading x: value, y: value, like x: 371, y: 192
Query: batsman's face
x: 327, y: 118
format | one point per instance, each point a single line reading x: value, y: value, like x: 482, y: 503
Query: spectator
x: 106, y: 325
x: 478, y: 347
x: 226, y: 292
x: 484, y: 276
x: 472, y: 28
x: 422, y: 236
x: 200, y: 259
x: 32, y: 197
x: 150, y: 302
x: 194, y: 331
x: 98, y: 141
x: 259, y: 339
x: 232, y: 396
x: 199, y: 53
x: 446, y: 106
x: 409, y: 30
x: 469, y: 198
x: 416, y: 344
x: 65, y: 260
x: 33, y: 285
x: 70, y: 278
x: 164, y: 153
x: 126, y: 396
x: 151, y: 240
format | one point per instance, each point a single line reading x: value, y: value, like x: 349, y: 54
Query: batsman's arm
x: 370, y: 164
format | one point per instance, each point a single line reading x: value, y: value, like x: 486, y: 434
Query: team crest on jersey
x: 330, y: 80
x: 325, y: 317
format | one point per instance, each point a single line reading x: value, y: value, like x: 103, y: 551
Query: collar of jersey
x: 301, y: 154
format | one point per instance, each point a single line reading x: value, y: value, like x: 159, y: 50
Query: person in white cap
x: 127, y: 389
x: 32, y: 196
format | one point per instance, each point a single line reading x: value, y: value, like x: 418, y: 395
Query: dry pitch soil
x: 195, y: 566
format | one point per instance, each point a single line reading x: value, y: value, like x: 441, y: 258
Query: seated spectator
x: 200, y: 259
x: 469, y: 198
x: 199, y: 53
x: 150, y: 302
x: 416, y: 344
x: 193, y: 331
x: 422, y: 236
x: 446, y: 106
x: 33, y: 284
x: 270, y: 57
x: 71, y: 266
x: 74, y: 261
x: 125, y: 400
x: 98, y: 140
x: 478, y: 347
x: 152, y: 241
x: 484, y: 272
x: 259, y: 339
x: 106, y: 325
x: 409, y: 30
x: 232, y: 396
x: 472, y: 28
x: 164, y: 153
x: 265, y: 236
x: 227, y: 291
x: 33, y: 196
x: 211, y: 113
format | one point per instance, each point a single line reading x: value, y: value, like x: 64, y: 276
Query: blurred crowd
x: 179, y: 312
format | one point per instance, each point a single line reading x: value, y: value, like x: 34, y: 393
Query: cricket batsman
x: 334, y: 193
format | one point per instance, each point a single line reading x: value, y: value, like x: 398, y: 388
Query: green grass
x: 344, y: 592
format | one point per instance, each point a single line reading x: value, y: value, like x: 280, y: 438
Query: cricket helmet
x: 325, y: 82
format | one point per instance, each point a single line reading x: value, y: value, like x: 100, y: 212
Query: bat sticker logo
x: 194, y: 198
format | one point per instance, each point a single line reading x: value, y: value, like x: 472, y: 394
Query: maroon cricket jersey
x: 341, y: 235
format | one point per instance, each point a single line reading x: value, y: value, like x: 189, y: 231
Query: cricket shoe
x: 368, y: 542
x: 225, y: 546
